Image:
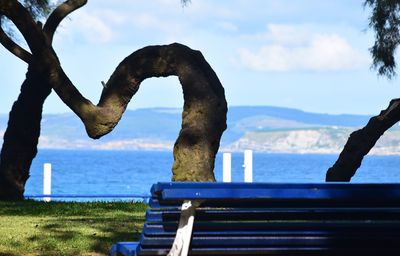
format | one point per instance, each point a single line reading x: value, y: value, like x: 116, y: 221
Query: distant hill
x: 264, y: 129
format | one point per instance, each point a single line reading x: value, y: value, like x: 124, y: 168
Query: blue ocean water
x: 133, y: 172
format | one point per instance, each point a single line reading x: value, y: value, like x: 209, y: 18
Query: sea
x: 95, y: 172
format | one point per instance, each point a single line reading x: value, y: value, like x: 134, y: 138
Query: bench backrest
x: 277, y: 219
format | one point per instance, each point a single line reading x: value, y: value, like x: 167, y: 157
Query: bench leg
x: 123, y: 248
x: 181, y: 244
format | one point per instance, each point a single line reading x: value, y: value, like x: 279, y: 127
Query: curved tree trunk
x: 21, y: 137
x: 23, y: 130
x: 204, y: 110
x: 361, y: 142
x: 203, y: 118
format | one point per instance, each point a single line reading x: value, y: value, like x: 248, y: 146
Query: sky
x: 306, y: 54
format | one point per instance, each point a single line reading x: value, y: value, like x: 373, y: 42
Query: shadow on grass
x: 81, y: 229
x: 97, y: 236
x: 58, y: 208
x: 118, y: 232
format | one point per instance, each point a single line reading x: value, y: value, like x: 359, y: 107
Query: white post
x: 47, y: 181
x: 248, y: 166
x: 226, y: 167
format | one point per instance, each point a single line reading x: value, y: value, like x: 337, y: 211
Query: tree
x: 21, y: 137
x: 204, y: 110
x: 385, y: 21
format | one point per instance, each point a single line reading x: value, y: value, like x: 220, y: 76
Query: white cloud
x: 284, y: 34
x: 94, y: 28
x: 90, y: 26
x: 290, y: 48
x: 112, y: 17
x: 228, y: 26
x: 147, y: 21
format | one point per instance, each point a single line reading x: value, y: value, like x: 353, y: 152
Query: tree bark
x: 204, y: 110
x: 21, y: 136
x: 361, y: 142
x: 23, y: 130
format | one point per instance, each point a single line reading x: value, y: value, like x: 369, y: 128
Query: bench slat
x: 280, y: 214
x: 265, y: 229
x: 297, y: 251
x: 361, y: 242
x: 276, y: 191
x: 277, y: 219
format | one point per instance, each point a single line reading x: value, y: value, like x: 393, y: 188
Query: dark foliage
x: 385, y: 21
x: 38, y: 8
x: 185, y: 2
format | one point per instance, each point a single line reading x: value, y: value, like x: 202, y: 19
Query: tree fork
x: 204, y: 110
x: 23, y: 130
x: 361, y: 142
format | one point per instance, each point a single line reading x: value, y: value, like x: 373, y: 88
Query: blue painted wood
x: 274, y: 191
x: 278, y: 214
x: 277, y: 219
x: 124, y: 248
x: 288, y: 241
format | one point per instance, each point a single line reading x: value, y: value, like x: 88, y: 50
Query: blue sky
x: 306, y: 54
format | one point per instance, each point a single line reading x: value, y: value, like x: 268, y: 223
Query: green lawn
x: 66, y: 228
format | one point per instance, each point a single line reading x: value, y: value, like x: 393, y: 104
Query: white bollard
x: 248, y: 166
x: 47, y: 181
x: 226, y: 167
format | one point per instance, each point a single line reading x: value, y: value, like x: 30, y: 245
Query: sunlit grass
x: 67, y: 228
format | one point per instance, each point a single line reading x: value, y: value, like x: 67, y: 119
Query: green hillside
x: 264, y: 129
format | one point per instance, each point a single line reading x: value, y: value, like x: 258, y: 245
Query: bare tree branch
x: 59, y: 14
x: 204, y: 110
x: 361, y: 142
x: 32, y: 31
x: 14, y: 48
x: 24, y: 22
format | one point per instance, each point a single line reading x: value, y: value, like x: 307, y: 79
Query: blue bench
x: 271, y: 219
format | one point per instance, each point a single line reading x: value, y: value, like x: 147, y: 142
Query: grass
x: 67, y: 228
